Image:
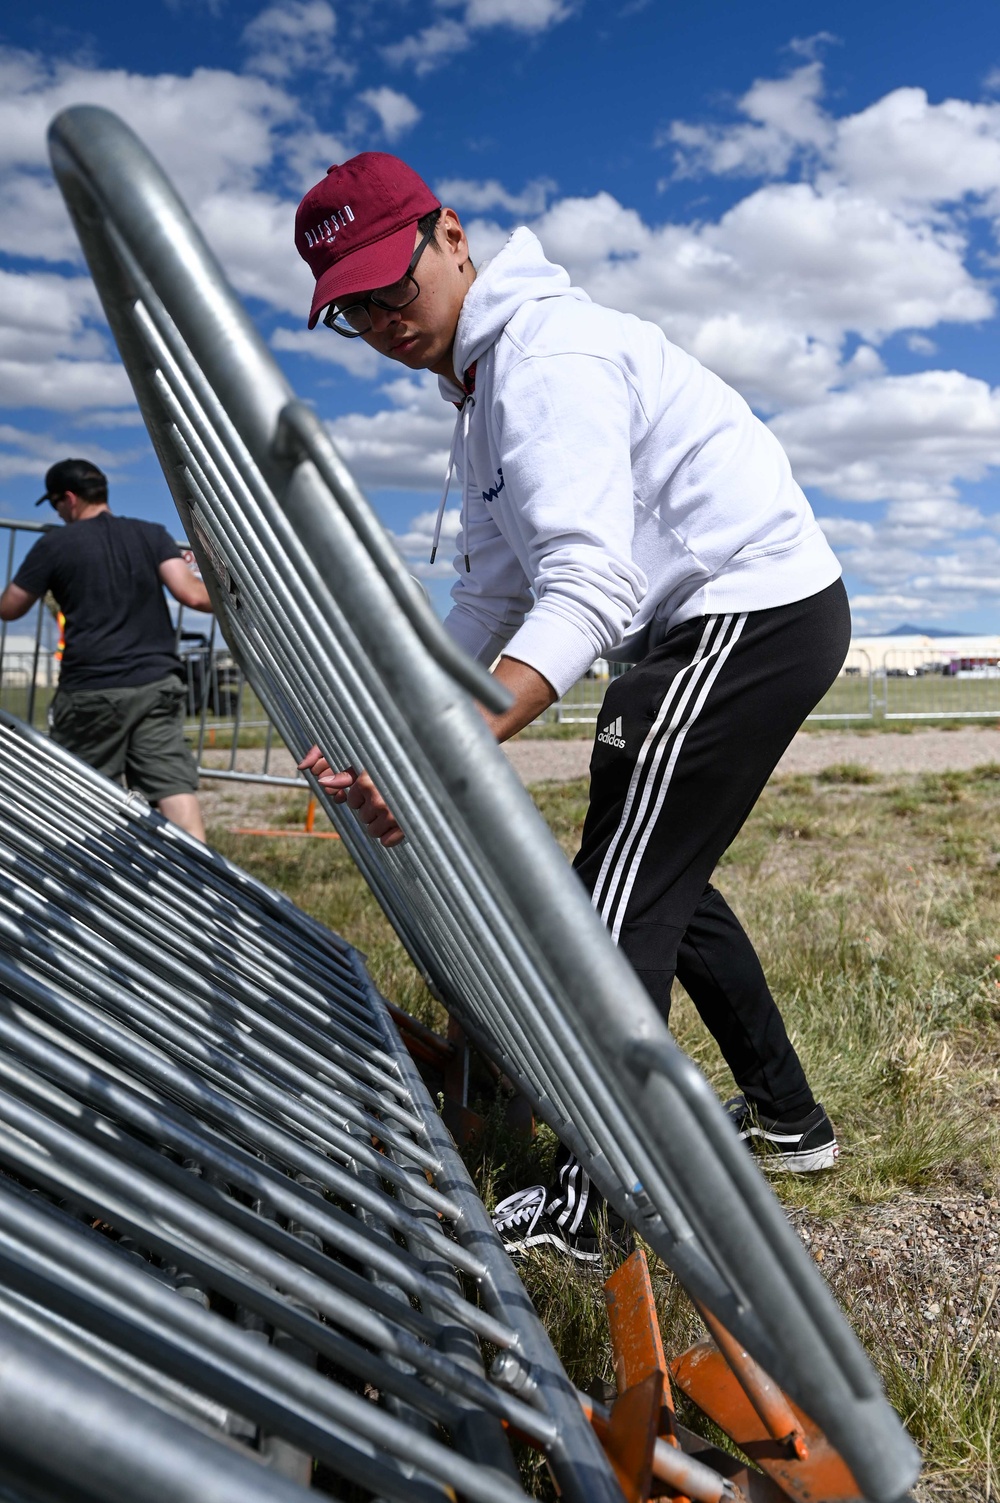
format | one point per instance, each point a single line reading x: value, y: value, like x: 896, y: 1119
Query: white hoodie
x: 611, y: 486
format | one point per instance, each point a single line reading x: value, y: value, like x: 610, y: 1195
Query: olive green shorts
x: 135, y: 734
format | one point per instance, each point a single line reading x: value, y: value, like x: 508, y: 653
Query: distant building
x: 913, y: 655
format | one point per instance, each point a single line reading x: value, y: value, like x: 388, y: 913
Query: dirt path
x: 891, y: 752
x: 883, y: 751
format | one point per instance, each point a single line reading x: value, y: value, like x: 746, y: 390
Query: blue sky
x: 804, y: 196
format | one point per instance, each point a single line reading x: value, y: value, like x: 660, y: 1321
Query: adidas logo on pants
x: 612, y: 734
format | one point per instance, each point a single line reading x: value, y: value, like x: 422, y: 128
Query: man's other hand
x: 358, y: 792
x: 183, y: 584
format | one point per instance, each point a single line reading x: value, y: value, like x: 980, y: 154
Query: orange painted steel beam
x: 307, y: 829
x: 635, y: 1330
x: 770, y: 1403
x: 684, y: 1475
x: 438, y: 1050
x: 704, y: 1374
x: 641, y: 1375
x: 291, y: 834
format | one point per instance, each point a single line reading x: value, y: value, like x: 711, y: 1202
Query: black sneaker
x: 523, y: 1223
x: 791, y: 1147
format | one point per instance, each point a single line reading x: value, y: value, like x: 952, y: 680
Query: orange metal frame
x: 653, y: 1454
x: 647, y: 1445
x: 292, y: 834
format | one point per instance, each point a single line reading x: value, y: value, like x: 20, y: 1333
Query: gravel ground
x: 811, y: 751
x: 936, y: 1259
x: 891, y: 752
x: 916, y: 751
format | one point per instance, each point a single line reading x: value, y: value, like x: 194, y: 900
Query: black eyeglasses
x: 355, y: 319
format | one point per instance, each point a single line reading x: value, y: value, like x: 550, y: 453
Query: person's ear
x: 452, y: 233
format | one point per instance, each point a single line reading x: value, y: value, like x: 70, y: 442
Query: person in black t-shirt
x: 120, y: 700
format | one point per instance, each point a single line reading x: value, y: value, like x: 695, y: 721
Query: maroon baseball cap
x: 355, y: 228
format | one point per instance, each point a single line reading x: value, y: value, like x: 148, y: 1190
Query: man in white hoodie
x: 621, y: 501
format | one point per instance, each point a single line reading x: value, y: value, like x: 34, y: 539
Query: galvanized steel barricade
x: 226, y: 1194
x: 934, y: 684
x: 343, y: 650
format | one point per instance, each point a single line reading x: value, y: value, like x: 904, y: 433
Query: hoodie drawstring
x: 461, y: 424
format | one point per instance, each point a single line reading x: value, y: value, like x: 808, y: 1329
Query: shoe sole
x: 549, y: 1239
x: 773, y: 1161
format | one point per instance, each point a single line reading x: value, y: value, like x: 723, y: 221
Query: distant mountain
x: 926, y: 631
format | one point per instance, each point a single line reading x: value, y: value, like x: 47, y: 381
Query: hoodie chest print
x: 494, y: 490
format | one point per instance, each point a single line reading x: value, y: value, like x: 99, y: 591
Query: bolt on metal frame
x: 191, y: 1064
x: 342, y: 649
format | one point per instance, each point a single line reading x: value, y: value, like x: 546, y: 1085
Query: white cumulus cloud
x: 396, y: 113
x: 430, y: 48
x: 352, y: 355
x: 436, y: 44
x: 783, y: 118
x: 897, y: 438
x: 415, y: 543
x: 25, y: 452
x: 406, y: 444
x: 522, y: 15
x: 295, y: 36
x: 478, y: 197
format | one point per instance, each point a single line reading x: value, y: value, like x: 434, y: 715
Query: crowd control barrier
x: 227, y: 1200
x: 343, y: 650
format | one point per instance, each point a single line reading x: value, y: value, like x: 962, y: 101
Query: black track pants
x: 685, y: 742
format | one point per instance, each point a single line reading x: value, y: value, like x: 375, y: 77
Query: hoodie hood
x: 518, y: 274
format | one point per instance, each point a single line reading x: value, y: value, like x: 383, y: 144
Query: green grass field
x: 875, y: 905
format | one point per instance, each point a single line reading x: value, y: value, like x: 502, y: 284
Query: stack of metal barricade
x: 342, y: 649
x: 232, y: 1227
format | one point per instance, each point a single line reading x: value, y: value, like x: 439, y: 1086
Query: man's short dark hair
x: 428, y: 222
x: 77, y: 475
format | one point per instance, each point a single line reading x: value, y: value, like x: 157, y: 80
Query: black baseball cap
x: 76, y: 475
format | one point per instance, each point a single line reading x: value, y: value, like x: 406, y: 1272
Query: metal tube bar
x: 36, y: 653
x: 187, y: 1352
x: 8, y: 576
x: 262, y: 1010
x: 770, y: 1404
x: 227, y: 1112
x: 255, y: 1175
x: 158, y: 1122
x: 113, y: 883
x: 321, y: 952
x: 94, y: 1433
x: 129, y: 1005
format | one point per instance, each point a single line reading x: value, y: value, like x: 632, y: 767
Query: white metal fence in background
x: 921, y: 684
x: 234, y: 738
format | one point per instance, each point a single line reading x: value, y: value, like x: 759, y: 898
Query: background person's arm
x: 15, y: 602
x: 183, y: 585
